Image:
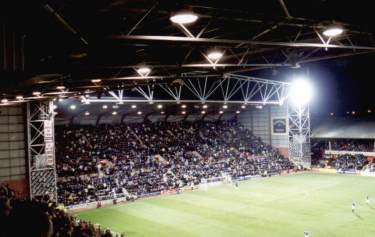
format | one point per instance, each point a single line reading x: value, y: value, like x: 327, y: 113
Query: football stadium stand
x: 96, y: 163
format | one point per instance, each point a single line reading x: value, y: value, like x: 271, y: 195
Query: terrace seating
x: 95, y: 163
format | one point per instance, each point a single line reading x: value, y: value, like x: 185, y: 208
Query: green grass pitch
x: 276, y: 206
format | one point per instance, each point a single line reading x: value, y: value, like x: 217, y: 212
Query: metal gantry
x: 41, y: 149
x: 230, y: 88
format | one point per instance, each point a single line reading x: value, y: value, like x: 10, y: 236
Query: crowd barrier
x: 350, y: 171
x: 216, y: 181
x: 368, y: 173
x: 93, y: 204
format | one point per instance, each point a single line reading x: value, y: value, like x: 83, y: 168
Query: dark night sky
x: 343, y: 85
x: 340, y: 85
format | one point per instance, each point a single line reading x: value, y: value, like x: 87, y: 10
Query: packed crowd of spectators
x: 319, y: 148
x: 41, y: 218
x: 352, y: 145
x: 131, y: 160
x: 349, y: 162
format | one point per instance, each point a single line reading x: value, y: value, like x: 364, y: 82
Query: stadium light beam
x: 301, y: 92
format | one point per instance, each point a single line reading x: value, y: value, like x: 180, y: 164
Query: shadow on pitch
x: 358, y: 216
x: 371, y: 207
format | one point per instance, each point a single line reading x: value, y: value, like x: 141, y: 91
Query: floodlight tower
x: 41, y: 149
x: 300, y: 94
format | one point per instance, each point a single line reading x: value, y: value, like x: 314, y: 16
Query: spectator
x: 108, y: 161
x: 40, y: 218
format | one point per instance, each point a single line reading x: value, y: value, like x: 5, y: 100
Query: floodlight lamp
x: 143, y: 71
x: 215, y: 55
x: 301, y: 92
x: 37, y: 93
x: 61, y: 88
x: 96, y: 80
x: 184, y: 18
x: 333, y: 31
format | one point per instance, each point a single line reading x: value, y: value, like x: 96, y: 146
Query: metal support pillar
x: 41, y: 149
x: 299, y: 135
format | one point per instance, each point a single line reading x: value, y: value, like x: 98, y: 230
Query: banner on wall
x: 279, y: 126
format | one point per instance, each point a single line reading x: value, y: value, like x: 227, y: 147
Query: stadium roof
x: 343, y: 128
x: 68, y: 43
